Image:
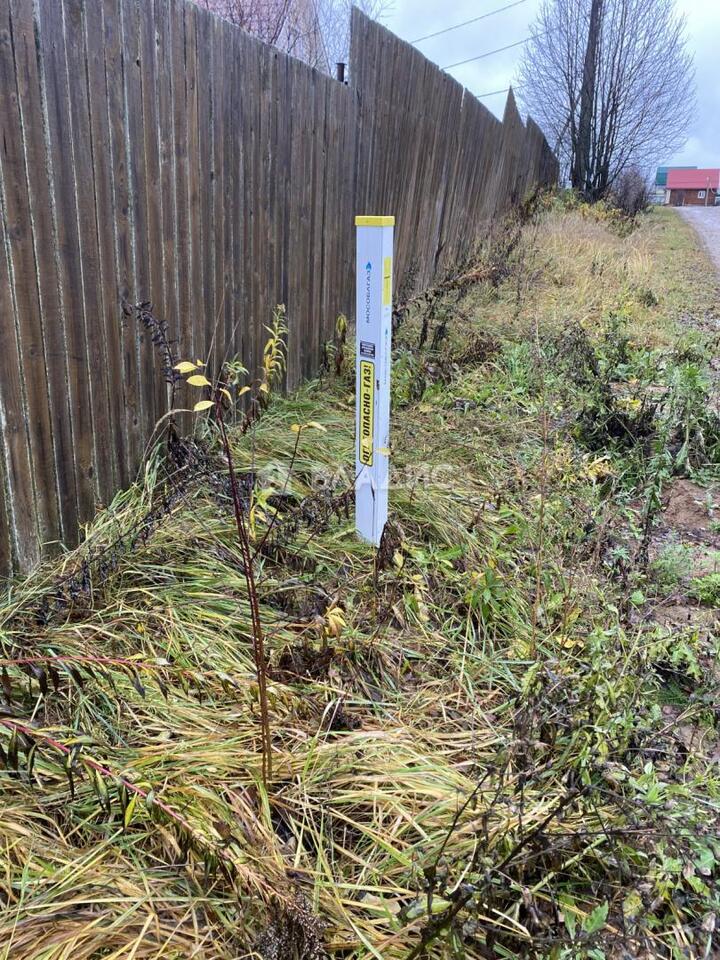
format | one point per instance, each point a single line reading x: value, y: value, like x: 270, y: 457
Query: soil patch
x: 682, y: 616
x: 690, y: 510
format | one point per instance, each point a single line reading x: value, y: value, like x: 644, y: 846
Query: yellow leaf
x: 226, y: 393
x: 199, y: 363
x: 296, y: 428
x: 567, y: 642
x: 264, y: 388
x: 185, y: 366
x: 243, y: 390
x: 129, y: 810
x: 334, y: 621
x: 383, y: 451
x: 203, y: 405
x: 199, y: 380
x: 314, y: 425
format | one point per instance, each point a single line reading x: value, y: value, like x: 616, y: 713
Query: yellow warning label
x: 387, y: 281
x: 367, y: 412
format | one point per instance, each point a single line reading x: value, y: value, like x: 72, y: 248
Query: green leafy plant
x: 706, y: 589
x: 670, y: 566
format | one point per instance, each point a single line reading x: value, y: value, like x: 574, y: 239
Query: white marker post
x: 374, y: 263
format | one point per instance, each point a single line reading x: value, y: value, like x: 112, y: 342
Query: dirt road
x: 706, y: 221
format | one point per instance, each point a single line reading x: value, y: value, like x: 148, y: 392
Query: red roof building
x: 693, y: 187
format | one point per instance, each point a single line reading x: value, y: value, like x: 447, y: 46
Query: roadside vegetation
x: 497, y: 736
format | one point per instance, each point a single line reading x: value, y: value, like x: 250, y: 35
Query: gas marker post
x: 374, y: 265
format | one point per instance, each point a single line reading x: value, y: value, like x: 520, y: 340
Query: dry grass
x: 444, y: 767
x: 583, y: 270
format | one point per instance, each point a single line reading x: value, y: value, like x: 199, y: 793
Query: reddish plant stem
x: 273, y: 521
x: 247, y: 557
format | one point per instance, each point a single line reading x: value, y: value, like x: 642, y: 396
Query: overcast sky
x: 411, y: 19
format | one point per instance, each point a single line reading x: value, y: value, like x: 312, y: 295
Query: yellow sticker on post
x: 367, y: 412
x: 387, y: 281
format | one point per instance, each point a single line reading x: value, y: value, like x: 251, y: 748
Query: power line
x: 489, y: 53
x: 492, y: 93
x: 465, y: 23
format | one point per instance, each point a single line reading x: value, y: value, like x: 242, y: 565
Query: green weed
x: 670, y: 567
x: 706, y: 589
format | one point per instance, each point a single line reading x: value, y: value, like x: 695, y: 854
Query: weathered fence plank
x: 31, y: 109
x: 22, y: 548
x: 236, y: 153
x: 218, y: 183
x: 28, y: 317
x: 102, y: 176
x: 127, y: 387
x: 92, y: 311
x: 153, y: 195
x: 152, y: 152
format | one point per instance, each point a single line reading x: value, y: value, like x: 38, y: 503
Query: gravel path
x: 706, y: 221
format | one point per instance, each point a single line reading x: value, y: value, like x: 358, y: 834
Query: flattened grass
x: 478, y: 738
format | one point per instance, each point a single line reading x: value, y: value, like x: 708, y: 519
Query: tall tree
x: 612, y: 84
x: 581, y: 164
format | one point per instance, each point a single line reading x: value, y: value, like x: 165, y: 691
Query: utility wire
x: 492, y: 93
x: 489, y: 53
x: 465, y: 23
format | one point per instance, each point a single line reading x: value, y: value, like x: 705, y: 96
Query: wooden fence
x: 430, y: 153
x: 151, y: 151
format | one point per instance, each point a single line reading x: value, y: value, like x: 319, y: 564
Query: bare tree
x: 265, y: 19
x: 611, y: 83
x: 581, y: 159
x: 316, y: 31
x: 334, y: 24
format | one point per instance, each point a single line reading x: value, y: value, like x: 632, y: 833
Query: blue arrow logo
x: 369, y: 266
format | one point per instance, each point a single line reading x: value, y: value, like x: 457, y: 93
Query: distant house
x: 698, y: 188
x: 661, y: 174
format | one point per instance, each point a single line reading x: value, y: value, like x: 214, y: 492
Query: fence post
x: 374, y: 266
